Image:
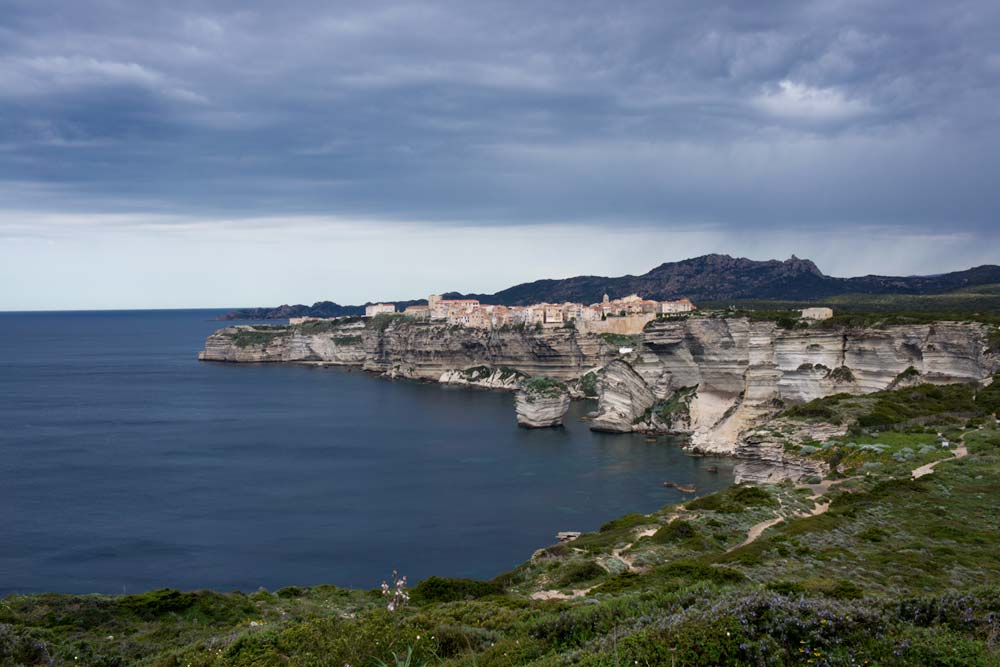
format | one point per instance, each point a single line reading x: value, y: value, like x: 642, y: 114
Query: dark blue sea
x: 127, y: 465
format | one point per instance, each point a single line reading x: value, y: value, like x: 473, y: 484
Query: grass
x: 979, y: 303
x: 543, y: 387
x: 620, y: 340
x: 383, y: 321
x: 256, y: 337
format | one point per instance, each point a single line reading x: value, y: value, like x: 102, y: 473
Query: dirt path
x: 559, y: 595
x: 960, y: 452
x: 617, y: 553
x: 819, y: 490
x: 756, y: 530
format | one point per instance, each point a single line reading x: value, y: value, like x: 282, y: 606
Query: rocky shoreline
x: 717, y: 380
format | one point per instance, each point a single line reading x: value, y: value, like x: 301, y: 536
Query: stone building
x: 817, y: 313
x: 379, y: 309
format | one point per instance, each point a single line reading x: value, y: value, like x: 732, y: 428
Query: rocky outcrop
x: 484, y: 377
x: 624, y: 399
x: 541, y: 403
x: 765, y: 459
x: 335, y: 345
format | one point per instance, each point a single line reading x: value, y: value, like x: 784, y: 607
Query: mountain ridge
x: 713, y: 277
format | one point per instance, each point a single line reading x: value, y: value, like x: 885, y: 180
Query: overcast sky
x: 171, y: 154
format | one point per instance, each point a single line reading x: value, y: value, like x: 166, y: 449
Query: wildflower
x: 395, y: 594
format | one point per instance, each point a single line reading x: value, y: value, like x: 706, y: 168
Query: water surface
x: 126, y: 465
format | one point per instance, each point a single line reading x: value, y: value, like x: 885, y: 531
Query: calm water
x: 126, y: 464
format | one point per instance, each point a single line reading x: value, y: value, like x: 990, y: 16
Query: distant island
x: 713, y: 279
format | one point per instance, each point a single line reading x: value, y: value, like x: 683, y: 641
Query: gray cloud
x: 657, y: 113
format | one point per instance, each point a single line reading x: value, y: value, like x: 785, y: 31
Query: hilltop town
x: 626, y: 315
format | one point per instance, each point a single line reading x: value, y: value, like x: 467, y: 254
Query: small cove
x: 126, y: 464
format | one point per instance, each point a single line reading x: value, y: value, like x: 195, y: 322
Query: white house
x: 379, y: 308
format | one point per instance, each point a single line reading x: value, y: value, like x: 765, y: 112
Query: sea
x: 127, y: 465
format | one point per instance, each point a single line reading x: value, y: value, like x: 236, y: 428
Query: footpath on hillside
x: 820, y: 505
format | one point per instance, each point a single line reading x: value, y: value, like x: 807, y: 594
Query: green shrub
x: 627, y: 521
x: 251, y: 338
x: 698, y: 571
x: 443, y: 589
x: 290, y: 592
x: 786, y: 587
x: 543, y: 386
x: 752, y: 496
x: 208, y: 606
x: 675, y: 531
x: 842, y: 374
x: 620, y: 340
x: 577, y: 572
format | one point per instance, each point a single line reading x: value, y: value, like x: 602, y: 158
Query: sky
x: 242, y: 152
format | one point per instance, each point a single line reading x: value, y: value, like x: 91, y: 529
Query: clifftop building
x: 627, y: 315
x: 379, y: 309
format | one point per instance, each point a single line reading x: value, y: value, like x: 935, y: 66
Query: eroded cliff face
x: 745, y: 371
x: 624, y: 399
x: 426, y: 351
x: 342, y: 345
x: 420, y: 350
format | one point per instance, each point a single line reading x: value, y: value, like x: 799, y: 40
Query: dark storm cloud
x: 801, y: 113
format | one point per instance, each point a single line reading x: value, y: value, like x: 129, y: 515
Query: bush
x: 627, y: 521
x: 842, y: 374
x: 209, y: 606
x: 753, y: 496
x: 697, y: 571
x: 734, y: 499
x: 580, y: 571
x: 443, y: 589
x: 251, y: 338
x: 675, y: 531
x: 543, y: 386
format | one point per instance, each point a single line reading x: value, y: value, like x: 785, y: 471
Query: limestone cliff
x: 403, y: 347
x: 745, y: 371
x: 764, y: 459
x: 541, y: 403
x: 624, y: 399
x: 427, y: 350
x: 337, y: 345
